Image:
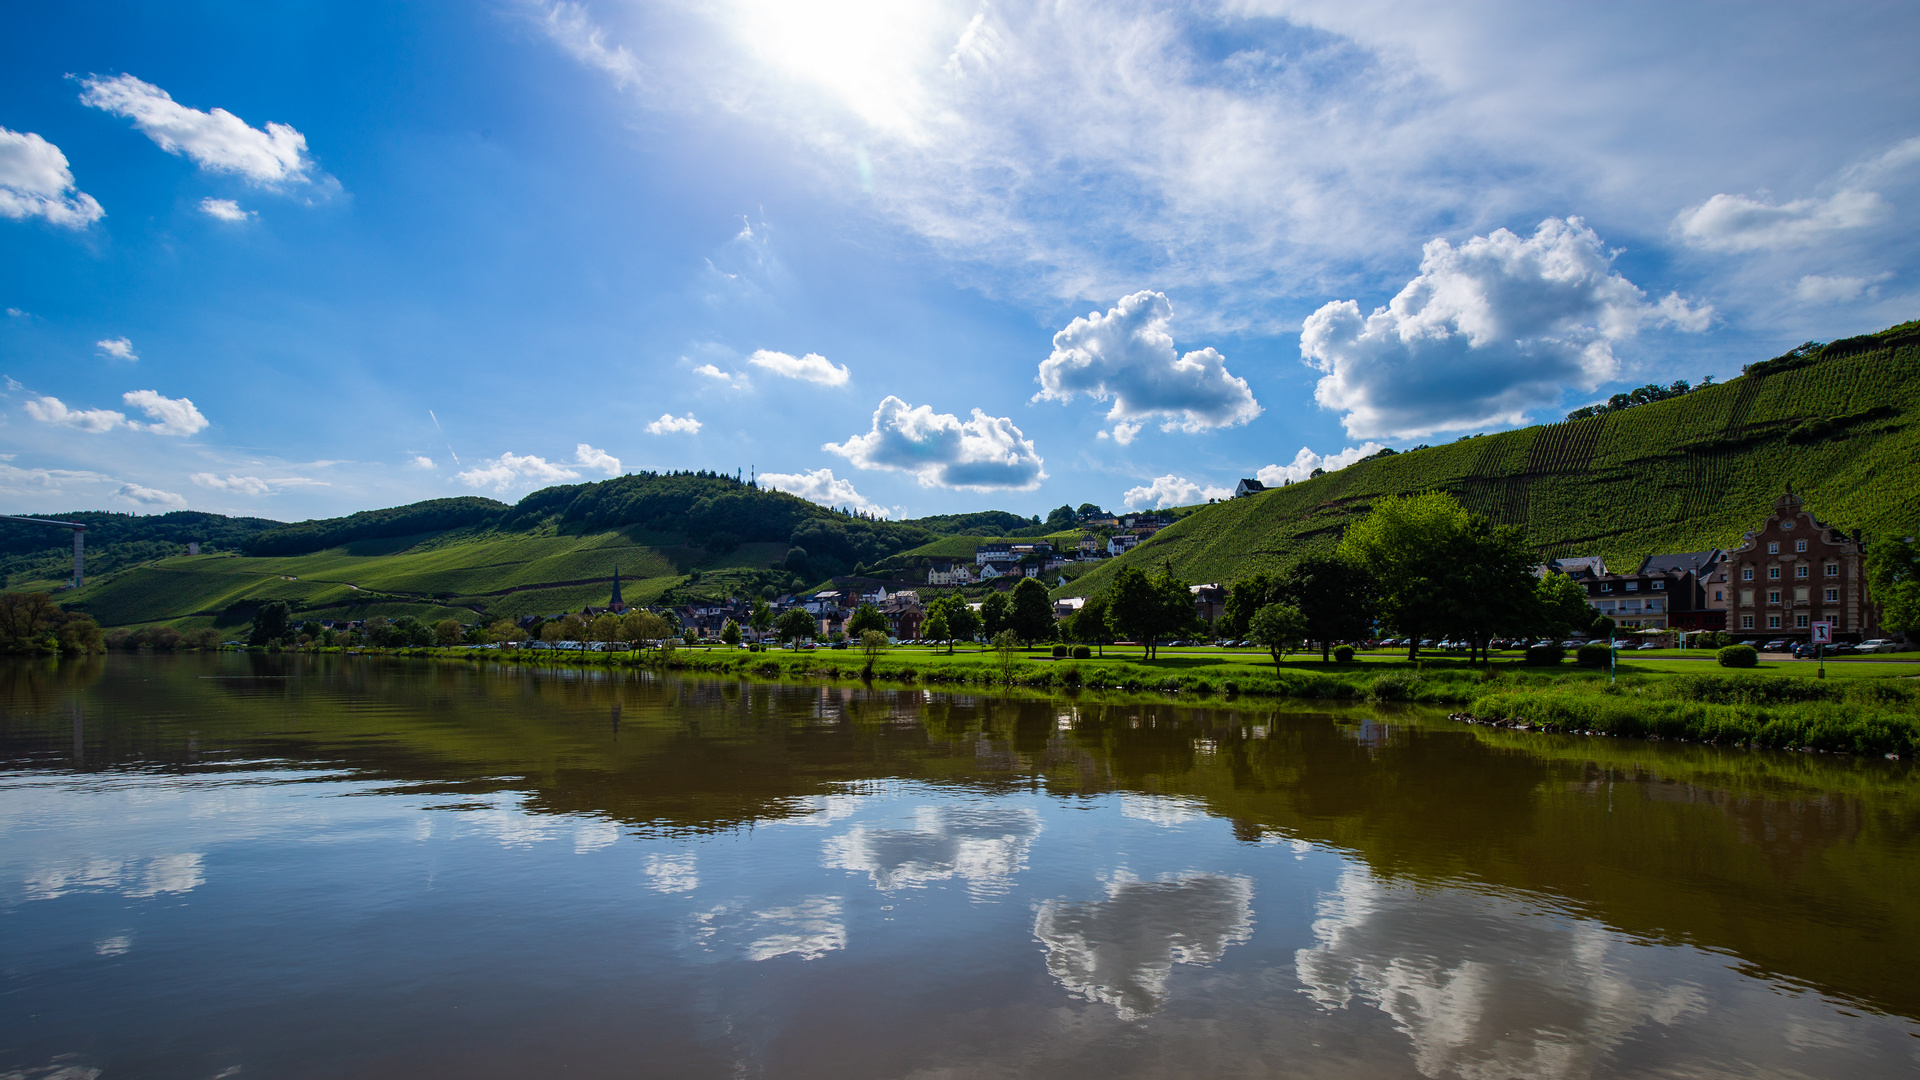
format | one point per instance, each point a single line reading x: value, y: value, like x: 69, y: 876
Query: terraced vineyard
x: 1694, y: 472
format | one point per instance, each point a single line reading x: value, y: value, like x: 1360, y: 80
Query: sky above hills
x: 299, y: 259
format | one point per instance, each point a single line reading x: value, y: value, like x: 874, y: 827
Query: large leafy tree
x: 1562, y: 605
x: 1032, y: 617
x: 1245, y: 597
x: 1489, y: 584
x: 1278, y: 628
x: 866, y: 618
x: 1335, y: 596
x: 1148, y: 609
x: 1405, y: 543
x: 1089, y: 625
x: 794, y: 624
x: 996, y: 614
x: 270, y: 623
x: 25, y: 618
x: 962, y: 621
x: 1893, y: 582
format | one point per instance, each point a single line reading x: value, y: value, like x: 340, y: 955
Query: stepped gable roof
x: 1699, y: 562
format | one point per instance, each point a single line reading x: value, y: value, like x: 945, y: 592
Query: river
x: 278, y: 866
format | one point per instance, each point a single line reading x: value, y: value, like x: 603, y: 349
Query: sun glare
x: 871, y: 54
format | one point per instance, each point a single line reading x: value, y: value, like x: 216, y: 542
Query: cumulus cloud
x: 238, y: 485
x: 573, y: 29
x: 1121, y: 950
x: 217, y: 141
x: 1127, y: 355
x: 170, y: 416
x: 119, y: 348
x: 596, y: 459
x: 669, y: 424
x: 224, y: 209
x: 147, y: 496
x: 51, y: 410
x: 35, y: 182
x: 735, y: 379
x: 1820, y: 289
x: 1304, y: 462
x: 820, y: 486
x: 511, y: 470
x: 1488, y: 330
x: 1173, y: 490
x: 1744, y: 223
x: 422, y: 461
x: 986, y: 453
x: 812, y: 367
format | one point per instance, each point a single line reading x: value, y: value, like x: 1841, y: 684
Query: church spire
x: 616, y: 603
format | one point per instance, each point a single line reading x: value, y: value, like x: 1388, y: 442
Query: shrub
x: 1059, y: 652
x: 1545, y: 654
x: 1081, y: 652
x: 1593, y: 655
x: 1343, y: 653
x: 1738, y: 656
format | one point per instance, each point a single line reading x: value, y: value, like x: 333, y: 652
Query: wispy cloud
x: 119, y: 348
x: 224, y: 209
x: 147, y: 496
x: 812, y: 367
x: 511, y: 470
x: 216, y: 140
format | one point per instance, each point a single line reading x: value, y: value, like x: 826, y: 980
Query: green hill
x: 1840, y: 421
x: 673, y: 537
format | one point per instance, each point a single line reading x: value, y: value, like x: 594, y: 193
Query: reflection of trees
x: 985, y: 846
x: 1121, y: 950
x: 1484, y: 988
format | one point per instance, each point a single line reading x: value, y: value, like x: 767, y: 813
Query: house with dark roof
x: 1248, y: 486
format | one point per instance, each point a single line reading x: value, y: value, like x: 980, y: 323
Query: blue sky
x: 301, y: 259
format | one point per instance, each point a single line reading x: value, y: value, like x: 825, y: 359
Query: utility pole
x: 79, y: 542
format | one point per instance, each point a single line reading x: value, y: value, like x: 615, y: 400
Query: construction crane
x: 79, y: 542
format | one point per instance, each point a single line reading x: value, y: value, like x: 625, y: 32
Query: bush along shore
x: 1851, y: 716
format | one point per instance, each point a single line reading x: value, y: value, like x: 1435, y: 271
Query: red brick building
x: 1795, y: 571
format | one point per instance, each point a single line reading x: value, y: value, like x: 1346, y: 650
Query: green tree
x: 865, y: 618
x: 25, y: 619
x: 270, y: 623
x: 935, y: 627
x: 501, y: 631
x: 962, y: 621
x: 445, y: 632
x: 795, y: 624
x: 1061, y: 518
x: 995, y: 613
x: 1146, y: 609
x: 604, y: 629
x: 1278, y: 628
x: 1893, y: 581
x: 730, y: 633
x: 1334, y: 595
x: 1032, y: 617
x: 1089, y: 510
x: 1405, y: 542
x: 1490, y: 587
x: 1562, y: 604
x: 873, y: 643
x: 761, y: 619
x: 1089, y: 625
x: 1245, y: 597
x: 1006, y: 645
x: 642, y: 627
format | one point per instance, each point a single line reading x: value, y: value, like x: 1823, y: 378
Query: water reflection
x: 1121, y: 950
x: 983, y: 845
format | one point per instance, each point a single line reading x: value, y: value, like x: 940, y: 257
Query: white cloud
x: 1489, y: 330
x: 1121, y: 950
x: 512, y: 470
x: 50, y: 410
x: 1819, y: 289
x: 238, y: 485
x: 1128, y: 356
x: 119, y: 348
x: 737, y: 380
x: 812, y: 367
x: 170, y: 416
x: 422, y: 461
x: 986, y: 453
x: 1744, y: 223
x: 983, y: 846
x: 669, y: 424
x: 574, y: 30
x: 821, y: 487
x: 224, y: 209
x: 1304, y: 462
x: 596, y: 459
x: 35, y: 182
x: 1173, y: 490
x: 217, y: 141
x: 147, y: 496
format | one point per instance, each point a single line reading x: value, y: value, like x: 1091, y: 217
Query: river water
x: 251, y: 866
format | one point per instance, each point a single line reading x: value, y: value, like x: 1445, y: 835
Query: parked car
x: 1842, y: 648
x: 1877, y: 645
x: 1777, y: 645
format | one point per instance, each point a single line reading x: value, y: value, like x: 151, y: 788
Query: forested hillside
x: 40, y: 556
x: 1840, y: 421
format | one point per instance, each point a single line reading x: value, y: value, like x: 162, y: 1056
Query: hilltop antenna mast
x: 79, y: 542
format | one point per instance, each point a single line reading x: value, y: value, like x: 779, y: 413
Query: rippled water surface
x: 238, y: 866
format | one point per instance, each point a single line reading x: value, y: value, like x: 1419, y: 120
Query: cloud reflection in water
x: 985, y: 846
x: 1121, y: 950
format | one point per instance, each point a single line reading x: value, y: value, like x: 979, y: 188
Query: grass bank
x: 1851, y: 716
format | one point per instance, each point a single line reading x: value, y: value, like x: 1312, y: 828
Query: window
x: 1746, y: 622
x: 1718, y: 594
x: 1746, y: 573
x: 1773, y: 547
x: 1833, y: 569
x: 1773, y: 573
x: 1633, y: 586
x: 1659, y: 585
x: 1799, y: 545
x: 1800, y: 622
x: 1605, y: 605
x: 1773, y: 622
x: 1833, y: 596
x: 1629, y: 605
x: 1802, y: 570
x: 1773, y: 596
x: 1786, y: 526
x: 1799, y: 594
x: 1606, y: 586
x: 1653, y: 605
x: 1746, y: 597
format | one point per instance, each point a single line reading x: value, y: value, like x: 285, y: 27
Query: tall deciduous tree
x: 1893, y: 580
x: 1405, y: 543
x: 1278, y: 628
x: 1489, y: 584
x: 794, y: 624
x: 1032, y: 611
x: 996, y: 612
x: 1562, y: 604
x: 270, y: 623
x: 866, y: 618
x: 1089, y: 625
x: 1245, y: 597
x: 1146, y: 609
x: 1335, y: 595
x: 962, y: 620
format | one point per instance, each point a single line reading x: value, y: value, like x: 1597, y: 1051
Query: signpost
x: 1822, y: 637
